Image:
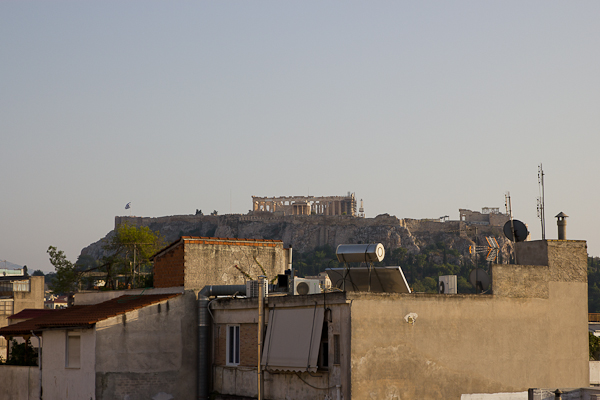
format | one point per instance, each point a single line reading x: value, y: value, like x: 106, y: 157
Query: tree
x: 38, y: 272
x: 130, y: 249
x: 594, y: 346
x: 22, y: 354
x: 67, y: 277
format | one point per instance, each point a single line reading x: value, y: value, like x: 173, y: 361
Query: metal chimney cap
x: 561, y: 215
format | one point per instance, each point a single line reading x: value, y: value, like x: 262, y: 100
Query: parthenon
x: 306, y: 205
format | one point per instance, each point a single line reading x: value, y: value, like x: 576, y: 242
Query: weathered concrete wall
x: 32, y: 299
x: 60, y: 382
x: 496, y: 396
x: 594, y: 372
x: 150, y: 351
x: 19, y: 383
x: 468, y: 344
x: 526, y: 281
x: 214, y: 263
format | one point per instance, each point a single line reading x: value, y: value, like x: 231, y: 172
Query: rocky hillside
x: 306, y: 233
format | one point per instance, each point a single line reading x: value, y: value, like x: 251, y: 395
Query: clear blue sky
x: 420, y: 108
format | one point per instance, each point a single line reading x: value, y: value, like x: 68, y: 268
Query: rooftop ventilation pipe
x: 561, y: 221
x: 204, y: 331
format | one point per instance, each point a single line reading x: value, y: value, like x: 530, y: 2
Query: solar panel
x: 369, y: 279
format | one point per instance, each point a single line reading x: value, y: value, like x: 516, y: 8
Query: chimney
x: 562, y: 225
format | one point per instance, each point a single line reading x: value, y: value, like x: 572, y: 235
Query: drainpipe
x: 204, y: 332
x: 39, y: 361
x: 290, y: 261
x: 261, y: 322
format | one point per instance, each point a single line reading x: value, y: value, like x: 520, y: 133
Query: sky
x: 420, y: 108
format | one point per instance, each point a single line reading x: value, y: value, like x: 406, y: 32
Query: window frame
x: 69, y: 346
x: 232, y: 344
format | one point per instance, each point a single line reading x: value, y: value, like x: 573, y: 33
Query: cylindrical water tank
x: 347, y: 253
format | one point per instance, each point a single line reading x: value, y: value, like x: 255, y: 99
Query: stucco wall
x: 19, y: 383
x: 32, y: 299
x: 60, y: 382
x: 468, y: 344
x: 150, y: 351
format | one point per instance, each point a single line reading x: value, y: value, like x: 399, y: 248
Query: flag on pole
x: 128, y: 206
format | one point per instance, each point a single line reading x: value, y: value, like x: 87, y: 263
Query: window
x: 22, y: 286
x: 323, y: 360
x: 336, y: 350
x: 233, y: 345
x: 73, y: 356
x: 7, y: 307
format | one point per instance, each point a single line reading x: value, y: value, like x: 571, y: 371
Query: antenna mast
x: 540, y: 201
x: 508, y: 206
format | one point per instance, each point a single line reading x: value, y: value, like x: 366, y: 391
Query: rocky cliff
x: 305, y: 233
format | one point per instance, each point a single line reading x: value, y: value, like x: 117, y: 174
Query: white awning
x: 293, y: 339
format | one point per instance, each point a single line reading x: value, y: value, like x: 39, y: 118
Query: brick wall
x: 169, y: 268
x: 248, y: 344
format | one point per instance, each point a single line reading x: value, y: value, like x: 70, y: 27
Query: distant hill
x: 306, y: 233
x: 9, y: 265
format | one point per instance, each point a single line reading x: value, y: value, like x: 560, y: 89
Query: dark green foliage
x: 66, y: 278
x: 594, y: 346
x: 421, y: 270
x: 313, y: 262
x: 594, y: 284
x: 22, y: 354
x: 38, y: 272
x: 130, y: 249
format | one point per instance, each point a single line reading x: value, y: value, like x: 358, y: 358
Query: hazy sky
x: 420, y: 108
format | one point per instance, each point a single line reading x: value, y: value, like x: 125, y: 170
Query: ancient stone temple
x: 306, y: 205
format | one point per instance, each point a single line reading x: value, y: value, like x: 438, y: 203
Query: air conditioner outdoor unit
x: 306, y: 286
x: 447, y: 284
x: 253, y: 286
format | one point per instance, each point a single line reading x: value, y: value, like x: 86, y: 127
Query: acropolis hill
x: 309, y: 230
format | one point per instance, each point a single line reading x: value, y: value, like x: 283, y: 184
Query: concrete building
x: 53, y: 302
x: 18, y: 292
x: 184, y: 341
x: 194, y: 262
x: 132, y: 346
x: 141, y: 344
x: 531, y: 332
x: 307, y: 205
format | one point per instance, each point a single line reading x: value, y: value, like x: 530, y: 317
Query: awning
x: 293, y: 339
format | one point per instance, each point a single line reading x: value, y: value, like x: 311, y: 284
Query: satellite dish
x: 479, y: 279
x: 520, y: 231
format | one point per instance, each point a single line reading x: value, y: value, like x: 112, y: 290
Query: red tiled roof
x: 29, y: 313
x: 85, y: 315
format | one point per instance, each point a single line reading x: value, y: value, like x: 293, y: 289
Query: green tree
x: 38, y: 272
x: 67, y: 277
x: 130, y: 249
x: 594, y: 346
x: 22, y: 354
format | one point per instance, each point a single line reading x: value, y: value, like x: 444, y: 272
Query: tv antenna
x: 540, y: 201
x: 491, y: 250
x: 508, y: 206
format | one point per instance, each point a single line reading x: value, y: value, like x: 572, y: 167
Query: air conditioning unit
x: 253, y: 286
x: 447, y: 284
x: 306, y: 286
